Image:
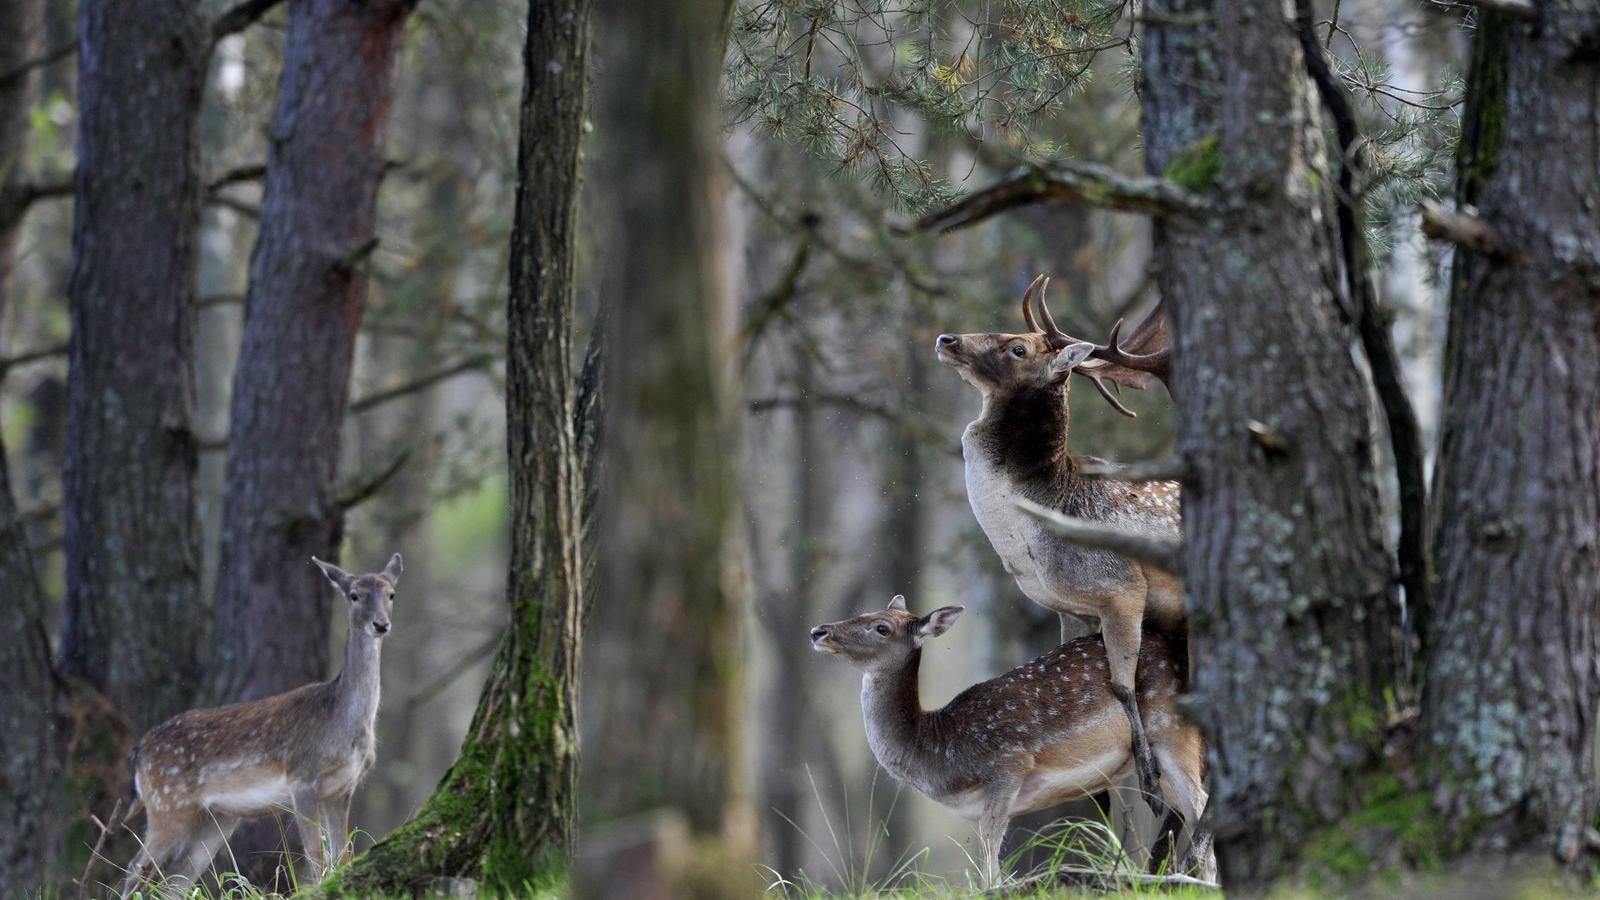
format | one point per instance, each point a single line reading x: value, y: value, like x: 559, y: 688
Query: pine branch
x: 1462, y: 228
x: 12, y: 76
x: 239, y: 17
x: 27, y: 356
x: 1163, y: 553
x: 1173, y: 468
x: 1067, y: 181
x: 422, y: 382
x: 364, y: 489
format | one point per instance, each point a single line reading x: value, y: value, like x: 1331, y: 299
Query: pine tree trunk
x: 22, y: 21
x: 504, y: 812
x: 1512, y: 649
x: 32, y: 740
x: 308, y: 284
x: 669, y: 601
x: 1292, y: 613
x: 135, y: 620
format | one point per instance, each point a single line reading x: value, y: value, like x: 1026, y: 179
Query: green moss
x: 1197, y: 168
x: 1393, y: 824
x: 1483, y: 122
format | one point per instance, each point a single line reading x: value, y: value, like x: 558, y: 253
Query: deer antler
x: 1109, y: 361
x: 1027, y: 300
x: 1158, y: 363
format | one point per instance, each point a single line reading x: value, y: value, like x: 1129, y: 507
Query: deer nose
x: 380, y: 627
x: 819, y: 632
x: 946, y: 340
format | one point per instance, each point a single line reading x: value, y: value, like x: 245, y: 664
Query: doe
x: 200, y: 772
x: 1036, y: 737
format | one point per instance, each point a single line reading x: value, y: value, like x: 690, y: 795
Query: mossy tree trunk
x: 504, y: 812
x: 135, y: 619
x: 1512, y: 649
x: 670, y: 601
x: 1293, y: 616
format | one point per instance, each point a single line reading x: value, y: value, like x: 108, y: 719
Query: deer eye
x: 354, y: 596
x: 882, y: 628
x: 1019, y: 351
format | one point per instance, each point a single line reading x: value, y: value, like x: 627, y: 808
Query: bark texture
x: 504, y: 813
x: 22, y: 21
x: 1293, y: 617
x: 668, y: 595
x: 32, y: 743
x: 308, y: 285
x: 1513, y: 644
x: 134, y: 620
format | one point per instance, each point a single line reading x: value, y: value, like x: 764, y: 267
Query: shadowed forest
x: 506, y: 402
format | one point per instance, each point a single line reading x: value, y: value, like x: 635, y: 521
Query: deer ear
x: 1072, y: 356
x: 934, y: 624
x: 899, y: 602
x: 340, y: 578
x: 393, y: 569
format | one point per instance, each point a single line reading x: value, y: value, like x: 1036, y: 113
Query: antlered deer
x: 1017, y: 449
x: 1036, y: 737
x: 200, y: 772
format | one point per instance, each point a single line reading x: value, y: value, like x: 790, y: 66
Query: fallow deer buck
x: 1038, y: 736
x: 1017, y: 449
x: 200, y: 772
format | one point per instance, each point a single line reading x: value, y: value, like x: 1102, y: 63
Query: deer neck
x: 892, y: 707
x: 1023, y: 432
x: 357, y: 684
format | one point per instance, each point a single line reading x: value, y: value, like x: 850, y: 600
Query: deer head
x: 882, y: 641
x: 371, y: 596
x: 1045, y: 355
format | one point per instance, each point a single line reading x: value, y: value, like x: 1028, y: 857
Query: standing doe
x: 1040, y: 735
x: 200, y: 772
x: 1017, y: 449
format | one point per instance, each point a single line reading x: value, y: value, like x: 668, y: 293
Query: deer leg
x: 165, y: 836
x: 1122, y: 637
x: 204, y: 841
x: 307, y: 819
x: 998, y: 799
x: 334, y: 814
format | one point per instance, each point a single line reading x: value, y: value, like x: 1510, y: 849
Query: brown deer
x: 1036, y: 737
x: 200, y: 772
x: 1017, y: 449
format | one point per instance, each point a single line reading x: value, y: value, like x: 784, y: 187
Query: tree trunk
x: 32, y: 742
x: 23, y: 23
x: 1511, y: 648
x: 135, y: 621
x: 504, y: 812
x: 1293, y: 617
x: 308, y: 284
x: 670, y: 598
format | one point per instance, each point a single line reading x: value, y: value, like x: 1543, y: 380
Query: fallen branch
x: 1067, y: 181
x: 1163, y: 553
x: 1093, y: 879
x: 99, y: 844
x: 1173, y: 468
x: 1462, y: 228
